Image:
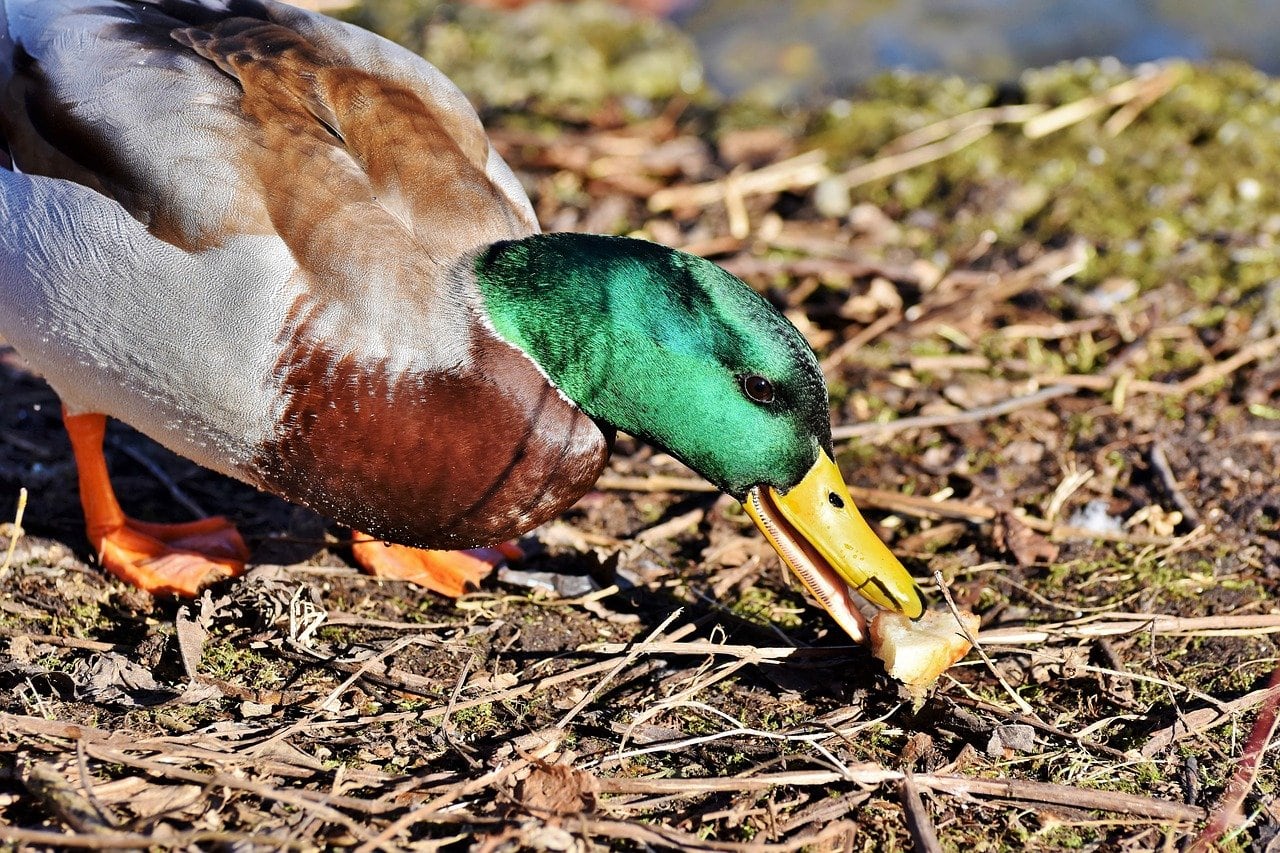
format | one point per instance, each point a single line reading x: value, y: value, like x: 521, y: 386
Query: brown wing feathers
x: 407, y: 162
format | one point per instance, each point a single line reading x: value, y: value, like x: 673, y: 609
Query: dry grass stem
x: 14, y: 532
x: 977, y: 647
x: 1145, y: 89
x: 1120, y: 624
x: 798, y: 172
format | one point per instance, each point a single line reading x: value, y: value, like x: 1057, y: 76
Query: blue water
x: 806, y: 47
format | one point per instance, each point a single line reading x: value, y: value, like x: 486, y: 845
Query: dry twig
x: 982, y: 413
x: 1015, y: 790
x: 1229, y: 812
x: 919, y: 823
x: 630, y: 657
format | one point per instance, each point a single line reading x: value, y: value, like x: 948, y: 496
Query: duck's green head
x: 674, y: 350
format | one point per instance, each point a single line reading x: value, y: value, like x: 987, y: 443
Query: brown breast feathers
x: 429, y: 459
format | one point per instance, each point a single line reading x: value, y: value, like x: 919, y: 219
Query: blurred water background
x: 786, y: 49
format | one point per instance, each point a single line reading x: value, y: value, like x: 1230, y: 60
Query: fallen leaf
x: 557, y: 789
x: 191, y: 638
x: 113, y: 679
x: 1027, y: 546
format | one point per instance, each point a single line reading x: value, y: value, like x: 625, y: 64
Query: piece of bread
x: 916, y: 653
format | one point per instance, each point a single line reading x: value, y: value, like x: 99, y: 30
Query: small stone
x: 831, y: 198
x: 1011, y: 739
x: 249, y: 710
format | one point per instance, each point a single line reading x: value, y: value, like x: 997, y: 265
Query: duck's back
x: 220, y: 211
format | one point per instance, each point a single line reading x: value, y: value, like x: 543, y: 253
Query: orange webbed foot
x: 449, y: 573
x: 181, y: 559
x: 158, y: 558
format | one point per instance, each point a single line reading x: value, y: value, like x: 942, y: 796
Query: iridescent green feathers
x: 660, y: 344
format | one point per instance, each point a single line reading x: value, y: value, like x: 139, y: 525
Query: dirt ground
x: 1087, y: 459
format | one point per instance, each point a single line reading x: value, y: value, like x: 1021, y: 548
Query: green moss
x: 763, y: 606
x: 1184, y: 193
x: 55, y: 662
x: 405, y: 22
x: 81, y: 619
x: 232, y: 662
x: 1173, y: 409
x: 563, y: 58
x: 183, y: 718
x: 476, y: 720
x: 854, y: 455
x: 1059, y: 838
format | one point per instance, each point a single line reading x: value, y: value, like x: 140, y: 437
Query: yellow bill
x: 822, y: 537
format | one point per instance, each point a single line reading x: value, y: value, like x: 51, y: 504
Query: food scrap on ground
x: 917, y: 653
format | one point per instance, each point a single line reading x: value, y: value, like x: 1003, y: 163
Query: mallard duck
x: 284, y: 248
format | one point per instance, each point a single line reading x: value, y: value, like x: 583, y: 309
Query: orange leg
x: 446, y: 572
x: 159, y: 558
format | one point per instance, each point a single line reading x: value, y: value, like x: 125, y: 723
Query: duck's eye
x: 758, y: 388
